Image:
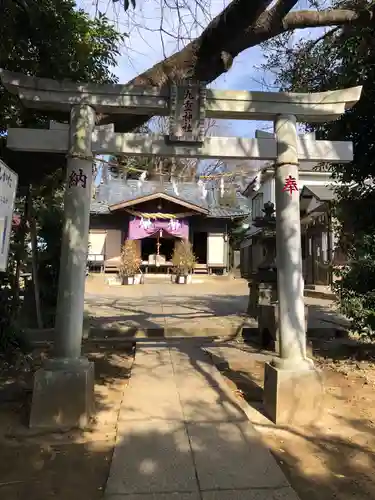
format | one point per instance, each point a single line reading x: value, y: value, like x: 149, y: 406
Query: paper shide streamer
x: 203, y: 189
x: 256, y: 186
x: 141, y: 179
x: 175, y: 187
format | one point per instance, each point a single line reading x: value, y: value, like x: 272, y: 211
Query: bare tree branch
x: 212, y: 53
x: 281, y: 9
x: 269, y: 27
x: 204, y: 59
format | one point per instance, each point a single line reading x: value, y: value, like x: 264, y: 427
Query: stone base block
x: 293, y: 397
x: 63, y: 395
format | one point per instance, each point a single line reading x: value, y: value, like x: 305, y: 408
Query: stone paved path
x: 209, y: 307
x: 182, y: 436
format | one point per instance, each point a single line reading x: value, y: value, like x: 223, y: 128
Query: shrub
x: 130, y: 261
x: 183, y: 258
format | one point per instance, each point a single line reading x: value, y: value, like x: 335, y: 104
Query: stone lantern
x: 263, y: 303
x: 263, y: 287
x: 266, y: 283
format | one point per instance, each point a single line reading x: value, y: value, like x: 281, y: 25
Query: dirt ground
x: 72, y: 465
x: 335, y: 457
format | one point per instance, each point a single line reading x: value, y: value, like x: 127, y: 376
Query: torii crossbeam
x: 230, y: 148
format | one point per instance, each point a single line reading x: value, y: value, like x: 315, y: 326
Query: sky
x: 154, y: 32
x: 146, y: 46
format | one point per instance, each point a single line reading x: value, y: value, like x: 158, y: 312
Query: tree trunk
x: 34, y: 261
x: 20, y: 256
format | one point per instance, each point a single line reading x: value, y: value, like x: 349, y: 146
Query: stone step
x: 322, y: 293
x: 247, y: 333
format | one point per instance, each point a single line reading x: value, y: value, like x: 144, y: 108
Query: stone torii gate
x: 63, y: 388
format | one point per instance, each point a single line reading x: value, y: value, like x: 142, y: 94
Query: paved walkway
x: 209, y: 307
x: 182, y: 436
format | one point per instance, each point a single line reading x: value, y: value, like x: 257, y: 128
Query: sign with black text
x: 8, y: 187
x: 187, y: 112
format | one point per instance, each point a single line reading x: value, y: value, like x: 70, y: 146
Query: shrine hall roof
x: 118, y: 190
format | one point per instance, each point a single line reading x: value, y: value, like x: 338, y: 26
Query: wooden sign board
x: 8, y: 187
x: 187, y: 113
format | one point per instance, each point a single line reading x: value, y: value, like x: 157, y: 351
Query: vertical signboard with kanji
x: 187, y: 112
x: 8, y: 187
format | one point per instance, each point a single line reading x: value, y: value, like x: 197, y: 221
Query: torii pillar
x: 293, y: 389
x: 63, y: 395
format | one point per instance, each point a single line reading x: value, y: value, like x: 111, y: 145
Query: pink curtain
x: 140, y: 228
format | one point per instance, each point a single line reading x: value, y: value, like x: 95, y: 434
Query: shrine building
x: 157, y: 215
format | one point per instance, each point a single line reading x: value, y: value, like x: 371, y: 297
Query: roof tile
x: 120, y: 190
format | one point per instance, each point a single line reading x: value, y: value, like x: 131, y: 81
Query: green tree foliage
x: 50, y: 39
x: 44, y: 38
x: 9, y: 300
x: 342, y: 58
x: 47, y: 205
